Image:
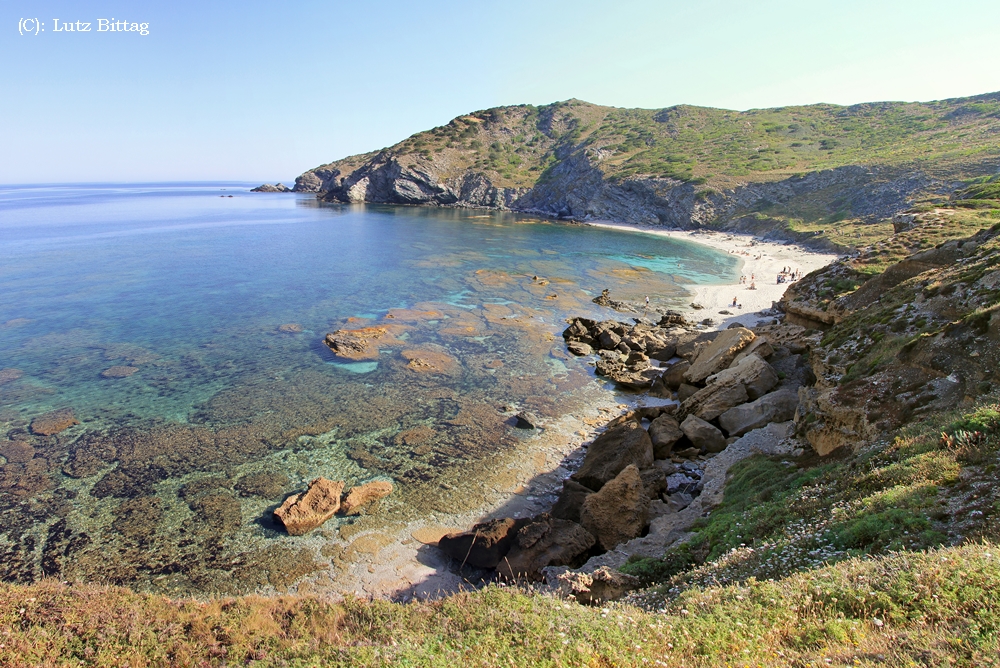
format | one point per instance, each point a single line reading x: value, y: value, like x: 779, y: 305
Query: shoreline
x: 719, y: 296
x: 401, y: 563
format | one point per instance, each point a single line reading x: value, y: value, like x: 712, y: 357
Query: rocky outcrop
x: 600, y: 586
x: 664, y: 432
x: 611, y: 452
x: 619, y: 511
x: 360, y: 496
x: 545, y: 541
x: 484, y: 545
x: 567, y: 507
x: 301, y: 513
x: 268, y: 188
x: 360, y: 344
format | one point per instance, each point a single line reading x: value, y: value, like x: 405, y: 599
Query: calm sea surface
x: 182, y: 329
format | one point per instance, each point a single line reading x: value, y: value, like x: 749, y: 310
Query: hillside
x: 789, y: 171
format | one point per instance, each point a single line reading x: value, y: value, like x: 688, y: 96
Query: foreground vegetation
x: 928, y: 608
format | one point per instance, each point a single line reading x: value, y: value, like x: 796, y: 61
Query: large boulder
x: 703, y: 435
x: 712, y: 401
x: 756, y: 375
x: 654, y: 481
x: 544, y: 541
x: 362, y: 495
x: 760, y: 345
x: 619, y: 511
x: 719, y: 354
x: 664, y: 431
x: 673, y: 377
x: 567, y: 507
x: 484, y: 545
x: 301, y: 513
x: 612, y: 451
x: 775, y: 407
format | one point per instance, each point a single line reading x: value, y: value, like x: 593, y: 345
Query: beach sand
x: 763, y: 262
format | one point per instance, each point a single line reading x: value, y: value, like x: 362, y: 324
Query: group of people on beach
x: 787, y: 275
x: 753, y: 284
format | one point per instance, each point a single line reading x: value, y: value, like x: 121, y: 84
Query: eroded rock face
x: 53, y: 422
x: 624, y: 445
x: 719, y: 354
x: 619, y: 511
x: 484, y: 545
x: 703, y: 435
x: 775, y: 407
x: 362, y: 495
x: 301, y: 513
x: 545, y: 541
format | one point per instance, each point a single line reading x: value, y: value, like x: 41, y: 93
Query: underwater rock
x: 9, y: 375
x: 266, y: 485
x: 119, y: 371
x: 53, y: 422
x: 360, y: 344
x: 430, y: 361
x: 362, y: 495
x: 301, y: 513
x: 290, y: 328
x: 526, y: 420
x: 16, y: 452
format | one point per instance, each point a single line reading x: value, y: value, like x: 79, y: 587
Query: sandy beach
x: 762, y: 261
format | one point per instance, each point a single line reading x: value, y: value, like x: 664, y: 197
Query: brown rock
x: 654, y: 481
x: 53, y: 422
x: 119, y: 371
x: 360, y: 344
x: 775, y: 407
x: 626, y: 444
x: 618, y: 512
x: 710, y: 402
x: 545, y: 541
x: 579, y: 348
x: 301, y: 513
x: 364, y: 494
x: 719, y: 354
x: 603, y: 585
x: 664, y: 431
x: 484, y: 545
x: 685, y: 392
x: 673, y: 377
x: 567, y: 507
x: 760, y: 345
x: 16, y: 452
x: 756, y: 375
x: 703, y: 435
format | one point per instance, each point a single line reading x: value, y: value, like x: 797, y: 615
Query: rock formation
x: 360, y: 496
x: 301, y: 513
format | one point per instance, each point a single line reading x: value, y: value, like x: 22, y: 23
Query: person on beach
x: 734, y: 301
x: 753, y: 286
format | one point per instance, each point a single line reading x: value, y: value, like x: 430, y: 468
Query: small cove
x: 216, y: 307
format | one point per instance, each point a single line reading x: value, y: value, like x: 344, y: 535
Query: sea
x: 164, y: 381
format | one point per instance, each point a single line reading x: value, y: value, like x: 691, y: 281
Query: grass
x: 929, y: 607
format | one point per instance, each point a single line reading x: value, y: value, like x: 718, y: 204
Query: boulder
x: 703, y: 435
x: 544, y: 541
x: 53, y: 422
x: 760, y: 345
x: 526, y: 420
x: 609, y: 340
x: 579, y: 348
x: 775, y: 407
x: 664, y: 431
x: 685, y: 392
x: 619, y: 511
x: 603, y: 585
x: 301, y: 513
x: 659, y: 349
x: 364, y: 494
x: 710, y: 402
x: 654, y: 481
x: 627, y: 444
x: 719, y: 354
x: 567, y: 507
x: 484, y: 545
x: 756, y: 375
x: 579, y: 330
x: 673, y: 377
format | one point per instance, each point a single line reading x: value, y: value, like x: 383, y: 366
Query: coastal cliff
x: 786, y: 173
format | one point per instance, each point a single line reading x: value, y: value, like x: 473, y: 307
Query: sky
x: 262, y: 91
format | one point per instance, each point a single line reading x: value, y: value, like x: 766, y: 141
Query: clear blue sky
x: 265, y: 90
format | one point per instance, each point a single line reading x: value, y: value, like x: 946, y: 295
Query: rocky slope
x: 789, y: 172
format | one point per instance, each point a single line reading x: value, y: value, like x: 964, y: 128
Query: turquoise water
x: 184, y: 329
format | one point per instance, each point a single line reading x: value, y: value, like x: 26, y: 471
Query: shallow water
x: 185, y: 332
